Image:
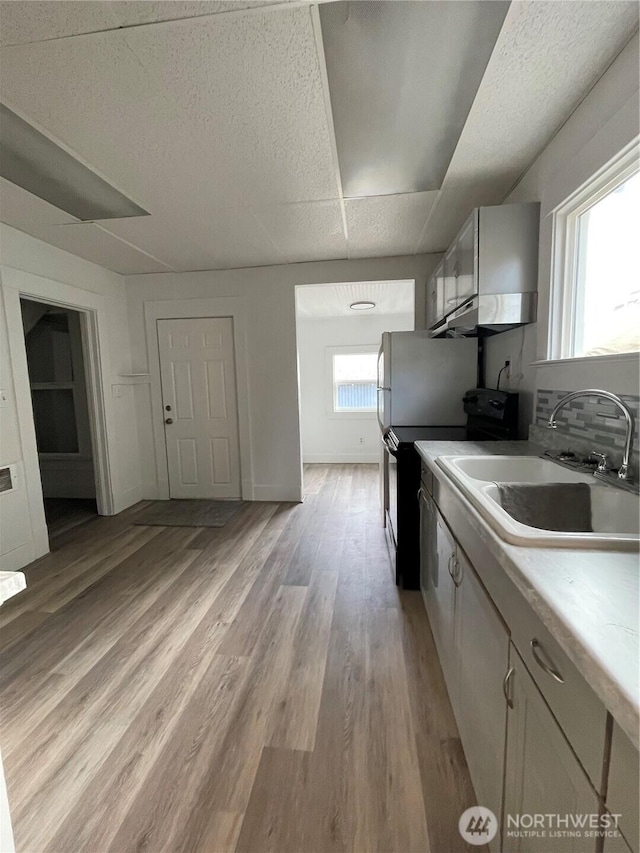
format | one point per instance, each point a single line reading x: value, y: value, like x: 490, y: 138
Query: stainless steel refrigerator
x: 422, y: 380
x: 421, y: 385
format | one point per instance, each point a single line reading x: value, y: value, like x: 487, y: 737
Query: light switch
x: 116, y: 390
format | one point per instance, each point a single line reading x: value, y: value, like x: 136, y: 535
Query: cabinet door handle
x: 449, y: 565
x: 457, y: 578
x: 505, y: 686
x: 550, y: 670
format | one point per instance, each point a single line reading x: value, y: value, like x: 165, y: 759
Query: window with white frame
x: 596, y: 290
x: 354, y: 381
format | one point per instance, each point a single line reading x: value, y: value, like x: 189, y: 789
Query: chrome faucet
x: 623, y: 471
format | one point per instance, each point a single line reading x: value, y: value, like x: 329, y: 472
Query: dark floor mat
x: 188, y: 513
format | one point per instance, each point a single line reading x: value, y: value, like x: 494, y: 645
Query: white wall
x: 42, y: 271
x: 267, y: 296
x: 605, y: 122
x: 327, y: 437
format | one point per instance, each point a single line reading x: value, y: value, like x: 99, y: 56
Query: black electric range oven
x: 491, y: 416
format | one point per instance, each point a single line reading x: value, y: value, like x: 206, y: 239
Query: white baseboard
x: 267, y: 493
x: 126, y: 499
x: 19, y: 558
x: 149, y: 492
x: 340, y: 458
x: 277, y: 493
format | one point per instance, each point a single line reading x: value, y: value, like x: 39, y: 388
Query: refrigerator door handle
x: 380, y: 424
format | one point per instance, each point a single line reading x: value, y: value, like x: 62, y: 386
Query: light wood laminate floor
x: 259, y: 687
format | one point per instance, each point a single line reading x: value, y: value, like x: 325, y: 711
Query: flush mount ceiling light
x: 362, y: 305
x: 35, y: 163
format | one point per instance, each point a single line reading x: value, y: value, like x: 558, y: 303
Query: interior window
x: 354, y: 382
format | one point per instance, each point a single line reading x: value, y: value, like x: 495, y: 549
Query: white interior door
x: 199, y: 399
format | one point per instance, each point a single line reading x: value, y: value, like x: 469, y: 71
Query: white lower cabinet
x: 535, y: 736
x: 440, y: 599
x: 482, y: 647
x: 623, y: 792
x: 473, y: 647
x: 542, y: 776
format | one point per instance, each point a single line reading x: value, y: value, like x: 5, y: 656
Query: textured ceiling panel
x: 196, y: 119
x: 168, y: 238
x: 252, y: 89
x: 94, y: 244
x: 23, y: 210
x: 311, y: 231
x: 229, y: 107
x: 386, y: 225
x: 402, y: 78
x: 217, y: 124
x: 333, y: 300
x: 234, y: 238
x: 93, y: 96
x: 23, y: 21
x: 548, y: 56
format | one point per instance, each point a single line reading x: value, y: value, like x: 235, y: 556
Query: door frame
x: 18, y: 284
x: 232, y: 307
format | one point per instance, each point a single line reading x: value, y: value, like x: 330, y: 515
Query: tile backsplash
x: 588, y: 423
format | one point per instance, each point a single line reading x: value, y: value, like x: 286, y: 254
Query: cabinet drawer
x: 580, y: 713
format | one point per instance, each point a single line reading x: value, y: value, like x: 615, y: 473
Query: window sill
x: 341, y: 416
x: 588, y: 359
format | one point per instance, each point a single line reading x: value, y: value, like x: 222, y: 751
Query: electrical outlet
x: 361, y: 440
x: 508, y: 362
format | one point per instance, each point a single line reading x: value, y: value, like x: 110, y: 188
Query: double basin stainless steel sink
x: 615, y: 514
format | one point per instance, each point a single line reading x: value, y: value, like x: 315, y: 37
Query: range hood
x: 490, y: 313
x: 488, y: 278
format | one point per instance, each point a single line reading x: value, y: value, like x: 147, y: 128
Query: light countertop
x: 10, y: 584
x: 587, y: 599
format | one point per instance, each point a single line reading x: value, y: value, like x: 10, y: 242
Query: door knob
x: 169, y: 421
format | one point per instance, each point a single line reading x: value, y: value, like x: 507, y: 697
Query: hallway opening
x: 57, y: 379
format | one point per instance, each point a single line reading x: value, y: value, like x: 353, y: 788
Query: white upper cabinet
x: 494, y: 254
